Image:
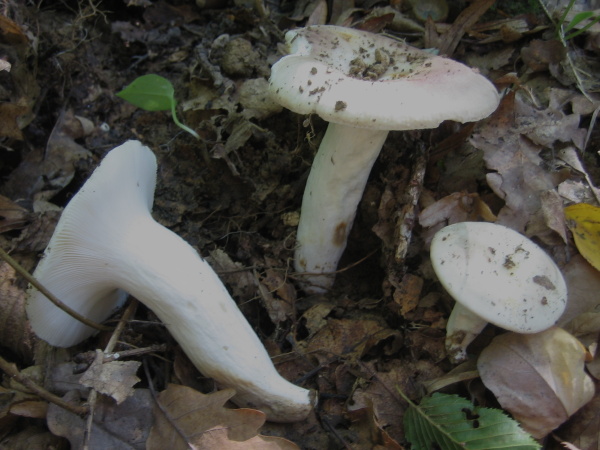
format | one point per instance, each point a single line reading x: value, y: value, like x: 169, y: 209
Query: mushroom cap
x: 500, y: 275
x: 367, y: 80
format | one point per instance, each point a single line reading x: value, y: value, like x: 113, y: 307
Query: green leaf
x: 150, y: 92
x: 154, y: 93
x: 453, y: 423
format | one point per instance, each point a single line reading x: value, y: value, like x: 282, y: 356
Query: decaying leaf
x: 15, y: 332
x: 538, y: 378
x: 370, y: 433
x: 512, y: 142
x: 348, y: 338
x: 382, y: 391
x: 189, y: 419
x: 124, y: 426
x: 583, y: 285
x: 115, y: 379
x: 583, y: 430
x: 278, y: 294
x: 12, y: 216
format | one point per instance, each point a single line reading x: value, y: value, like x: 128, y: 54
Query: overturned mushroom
x: 364, y: 85
x: 496, y: 275
x: 107, y: 243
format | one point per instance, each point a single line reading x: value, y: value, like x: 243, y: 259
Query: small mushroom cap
x: 499, y: 275
x: 367, y: 80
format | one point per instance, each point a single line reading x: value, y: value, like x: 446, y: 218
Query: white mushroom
x: 495, y: 275
x: 107, y: 243
x: 364, y: 85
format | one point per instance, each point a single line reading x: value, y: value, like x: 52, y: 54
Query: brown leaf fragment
x: 33, y: 438
x: 538, y: 55
x: 115, y: 379
x: 382, y: 391
x: 371, y: 434
x: 15, y: 332
x: 539, y: 378
x: 9, y: 123
x: 408, y: 293
x: 11, y: 33
x: 348, y: 338
x: 116, y: 427
x: 279, y: 296
x: 12, y: 216
x: 186, y: 418
x: 583, y: 430
x: 466, y: 19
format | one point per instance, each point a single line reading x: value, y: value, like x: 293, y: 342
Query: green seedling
x: 154, y: 93
x: 564, y: 27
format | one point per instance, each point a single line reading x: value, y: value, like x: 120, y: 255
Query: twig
x: 93, y: 396
x: 36, y: 284
x: 11, y: 370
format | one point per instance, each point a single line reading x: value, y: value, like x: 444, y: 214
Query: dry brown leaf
x: 33, y: 437
x: 583, y: 430
x: 583, y: 285
x: 315, y: 317
x: 456, y: 207
x: 12, y: 216
x: 9, y: 120
x: 125, y: 426
x: 240, y: 280
x: 348, y: 338
x: 15, y: 332
x: 371, y: 436
x: 382, y: 391
x: 538, y: 378
x: 189, y: 419
x: 281, y: 306
x: 115, y: 379
x: 448, y: 41
x: 511, y: 142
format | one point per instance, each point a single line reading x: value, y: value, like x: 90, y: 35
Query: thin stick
x: 11, y: 370
x: 35, y: 283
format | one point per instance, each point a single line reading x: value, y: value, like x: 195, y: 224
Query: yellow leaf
x: 584, y: 222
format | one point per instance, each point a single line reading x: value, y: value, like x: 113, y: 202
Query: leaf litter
x: 233, y: 193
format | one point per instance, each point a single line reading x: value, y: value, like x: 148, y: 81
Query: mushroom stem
x: 107, y: 242
x: 462, y: 328
x: 334, y: 188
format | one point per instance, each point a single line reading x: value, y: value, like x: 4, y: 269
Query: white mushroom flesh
x: 498, y: 275
x: 365, y: 85
x: 107, y: 242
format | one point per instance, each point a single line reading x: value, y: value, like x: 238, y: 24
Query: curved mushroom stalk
x: 462, y: 328
x: 334, y: 188
x: 364, y: 85
x: 107, y: 242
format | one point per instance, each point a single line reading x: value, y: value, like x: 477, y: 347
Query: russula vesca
x: 364, y: 85
x: 496, y: 275
x: 106, y: 243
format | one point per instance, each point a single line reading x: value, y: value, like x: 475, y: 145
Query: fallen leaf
x: 539, y: 378
x: 115, y: 379
x: 12, y: 216
x: 584, y: 222
x: 382, y: 391
x: 186, y: 418
x: 15, y: 332
x: 371, y: 436
x: 583, y: 430
x: 348, y: 338
x: 9, y: 123
x: 583, y: 285
x: 118, y: 427
x: 512, y: 142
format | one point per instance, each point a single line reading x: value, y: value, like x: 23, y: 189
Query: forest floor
x: 235, y: 194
